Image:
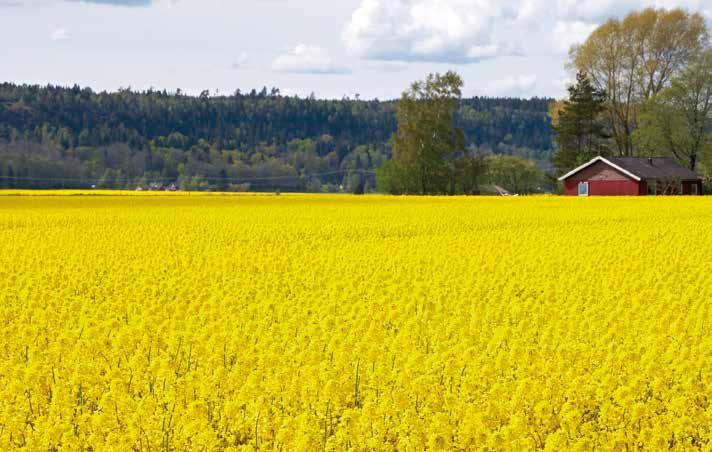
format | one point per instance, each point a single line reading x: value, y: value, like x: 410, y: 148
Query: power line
x: 170, y: 179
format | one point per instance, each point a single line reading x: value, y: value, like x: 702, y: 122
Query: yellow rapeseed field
x: 372, y: 323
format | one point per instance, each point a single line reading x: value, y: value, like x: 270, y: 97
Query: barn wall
x: 687, y: 188
x: 570, y: 188
x: 614, y: 188
x: 606, y: 188
x: 643, y: 188
x: 604, y: 180
x: 599, y: 171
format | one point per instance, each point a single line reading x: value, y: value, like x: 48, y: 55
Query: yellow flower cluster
x: 338, y: 322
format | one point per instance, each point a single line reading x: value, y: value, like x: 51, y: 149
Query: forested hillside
x: 53, y: 136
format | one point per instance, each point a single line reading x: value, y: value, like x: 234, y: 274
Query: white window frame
x: 583, y: 184
x: 693, y: 189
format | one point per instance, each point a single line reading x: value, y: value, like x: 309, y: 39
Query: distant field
x: 300, y: 322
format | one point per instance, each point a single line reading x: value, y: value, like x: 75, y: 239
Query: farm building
x: 631, y: 176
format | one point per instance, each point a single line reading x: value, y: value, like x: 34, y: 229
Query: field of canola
x: 370, y: 323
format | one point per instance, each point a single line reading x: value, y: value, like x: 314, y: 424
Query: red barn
x: 631, y: 176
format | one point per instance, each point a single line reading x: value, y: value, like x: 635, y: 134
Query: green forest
x: 73, y: 137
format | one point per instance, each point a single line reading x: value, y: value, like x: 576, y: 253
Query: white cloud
x: 60, y: 34
x: 602, y: 9
x: 513, y: 86
x: 561, y: 85
x: 424, y: 30
x: 307, y: 59
x: 468, y: 31
x: 566, y: 34
x: 384, y: 66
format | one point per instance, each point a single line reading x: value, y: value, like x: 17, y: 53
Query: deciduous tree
x: 427, y: 142
x: 634, y: 59
x: 679, y: 119
x: 514, y: 174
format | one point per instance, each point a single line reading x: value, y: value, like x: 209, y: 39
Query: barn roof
x: 639, y: 168
x: 655, y: 168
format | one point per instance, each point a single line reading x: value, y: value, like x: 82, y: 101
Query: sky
x: 332, y: 48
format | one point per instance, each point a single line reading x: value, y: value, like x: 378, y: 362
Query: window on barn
x: 693, y: 189
x: 583, y: 188
x: 652, y: 187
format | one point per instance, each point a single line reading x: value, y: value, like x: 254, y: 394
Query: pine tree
x: 581, y: 132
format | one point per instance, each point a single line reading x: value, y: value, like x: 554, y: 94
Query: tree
x: 679, y: 119
x: 514, y: 174
x: 75, y: 135
x: 581, y: 132
x: 223, y: 182
x: 634, y: 59
x: 427, y: 141
x: 468, y: 174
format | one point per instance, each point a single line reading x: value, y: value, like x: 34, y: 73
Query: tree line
x: 53, y: 136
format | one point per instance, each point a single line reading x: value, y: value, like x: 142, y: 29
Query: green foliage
x: 469, y: 174
x: 262, y: 139
x: 384, y: 178
x: 634, y: 58
x: 678, y: 121
x: 426, y: 141
x: 580, y: 127
x: 514, y: 174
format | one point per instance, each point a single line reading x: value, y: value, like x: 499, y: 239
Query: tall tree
x: 581, y: 131
x: 52, y: 136
x: 426, y: 142
x: 634, y: 59
x: 679, y: 119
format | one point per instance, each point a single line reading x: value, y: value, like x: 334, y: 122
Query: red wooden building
x: 631, y: 176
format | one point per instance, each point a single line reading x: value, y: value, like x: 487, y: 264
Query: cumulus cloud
x: 307, y: 59
x: 424, y: 30
x: 384, y: 66
x: 566, y: 34
x: 468, y: 31
x: 513, y: 86
x: 602, y: 9
x: 60, y: 34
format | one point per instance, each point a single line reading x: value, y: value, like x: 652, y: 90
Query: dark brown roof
x: 654, y: 168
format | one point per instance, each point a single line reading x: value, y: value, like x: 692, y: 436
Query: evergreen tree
x: 53, y: 135
x: 580, y: 128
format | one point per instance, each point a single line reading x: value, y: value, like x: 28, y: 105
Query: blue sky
x: 334, y: 48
